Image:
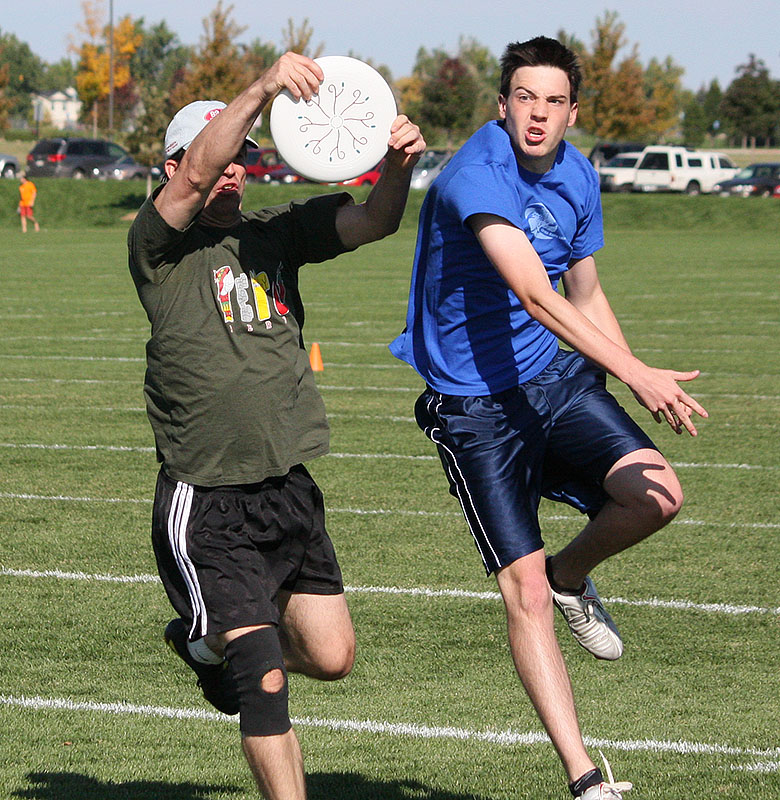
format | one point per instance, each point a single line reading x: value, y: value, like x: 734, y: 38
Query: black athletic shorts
x: 223, y: 553
x: 555, y: 436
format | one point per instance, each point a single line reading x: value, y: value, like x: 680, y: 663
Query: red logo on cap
x: 211, y: 114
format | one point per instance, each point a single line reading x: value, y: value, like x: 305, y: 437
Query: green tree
x: 664, y: 93
x: 217, y: 69
x: 58, y: 76
x: 145, y: 141
x: 449, y: 100
x: 701, y: 114
x: 159, y: 59
x: 485, y: 71
x: 751, y: 105
x: 450, y: 96
x: 24, y: 74
x: 4, y: 101
x: 297, y: 39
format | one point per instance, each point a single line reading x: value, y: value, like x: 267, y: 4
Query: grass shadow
x: 351, y: 786
x: 74, y: 786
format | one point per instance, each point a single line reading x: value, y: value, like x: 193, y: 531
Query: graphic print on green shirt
x: 229, y: 391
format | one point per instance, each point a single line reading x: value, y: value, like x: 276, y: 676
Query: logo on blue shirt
x: 542, y: 223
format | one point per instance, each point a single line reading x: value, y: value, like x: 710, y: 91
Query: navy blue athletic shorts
x: 555, y: 436
x: 223, y: 553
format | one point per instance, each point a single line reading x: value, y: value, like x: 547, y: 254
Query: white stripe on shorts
x: 464, y: 495
x: 178, y: 516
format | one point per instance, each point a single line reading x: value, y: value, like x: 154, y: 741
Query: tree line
x: 131, y: 77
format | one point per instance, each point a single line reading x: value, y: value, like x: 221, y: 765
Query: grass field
x: 94, y: 707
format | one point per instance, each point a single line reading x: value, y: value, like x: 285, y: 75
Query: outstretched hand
x: 659, y: 392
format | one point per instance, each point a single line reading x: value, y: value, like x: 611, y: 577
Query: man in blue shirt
x: 516, y: 417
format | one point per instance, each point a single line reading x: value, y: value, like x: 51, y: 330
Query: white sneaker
x: 590, y: 623
x: 607, y: 790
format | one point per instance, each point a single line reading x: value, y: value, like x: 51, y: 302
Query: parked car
x: 756, y: 180
x: 427, y: 169
x: 71, y: 158
x: 9, y: 166
x: 126, y: 168
x: 618, y: 174
x: 266, y: 165
x: 284, y: 174
x: 605, y: 151
x: 667, y: 168
x: 368, y: 178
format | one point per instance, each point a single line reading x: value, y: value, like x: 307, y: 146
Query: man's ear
x: 502, y: 106
x: 170, y: 166
x: 573, y: 114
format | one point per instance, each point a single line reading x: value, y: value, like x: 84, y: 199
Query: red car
x: 367, y: 178
x: 266, y: 165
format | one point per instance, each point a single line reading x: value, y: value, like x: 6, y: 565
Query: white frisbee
x: 342, y: 131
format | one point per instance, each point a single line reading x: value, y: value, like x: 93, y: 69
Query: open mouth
x: 535, y: 135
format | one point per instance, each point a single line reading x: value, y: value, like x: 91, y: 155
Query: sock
x: 559, y: 589
x: 202, y: 653
x: 592, y: 778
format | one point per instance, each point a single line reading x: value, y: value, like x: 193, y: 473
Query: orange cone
x: 315, y: 358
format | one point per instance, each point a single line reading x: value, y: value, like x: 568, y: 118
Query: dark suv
x: 71, y: 158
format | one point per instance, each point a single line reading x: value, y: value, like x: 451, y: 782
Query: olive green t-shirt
x: 229, y: 390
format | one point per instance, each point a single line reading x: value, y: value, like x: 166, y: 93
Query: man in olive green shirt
x: 238, y: 525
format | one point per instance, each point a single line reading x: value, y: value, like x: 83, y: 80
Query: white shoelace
x: 613, y: 787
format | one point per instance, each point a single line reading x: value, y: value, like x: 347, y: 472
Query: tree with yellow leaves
x: 93, y: 74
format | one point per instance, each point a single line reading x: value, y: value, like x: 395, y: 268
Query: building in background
x: 60, y: 109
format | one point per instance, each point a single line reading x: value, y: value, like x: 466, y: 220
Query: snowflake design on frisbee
x: 338, y: 122
x: 342, y: 131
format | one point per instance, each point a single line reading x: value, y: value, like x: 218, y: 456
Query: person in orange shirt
x: 27, y: 194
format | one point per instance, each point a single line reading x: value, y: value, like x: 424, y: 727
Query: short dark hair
x: 540, y: 51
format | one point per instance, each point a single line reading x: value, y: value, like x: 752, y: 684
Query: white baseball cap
x: 189, y: 121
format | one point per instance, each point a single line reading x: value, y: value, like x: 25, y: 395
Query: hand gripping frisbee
x: 341, y: 132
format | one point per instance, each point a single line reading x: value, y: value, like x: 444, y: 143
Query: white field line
x: 72, y: 358
x: 458, y: 594
x: 399, y: 512
x: 377, y: 456
x: 505, y: 738
x: 96, y: 338
x: 56, y: 409
x: 97, y: 381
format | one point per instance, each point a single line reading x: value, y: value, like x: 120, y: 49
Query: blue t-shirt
x: 466, y: 332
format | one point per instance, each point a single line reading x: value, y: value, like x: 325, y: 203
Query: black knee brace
x: 251, y: 657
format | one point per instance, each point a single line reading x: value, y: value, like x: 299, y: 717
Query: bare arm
x: 380, y: 214
x: 583, y: 290
x: 516, y: 261
x: 221, y: 141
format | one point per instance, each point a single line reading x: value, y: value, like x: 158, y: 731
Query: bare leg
x: 645, y: 495
x: 317, y: 640
x: 277, y: 765
x: 538, y: 659
x: 317, y: 636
